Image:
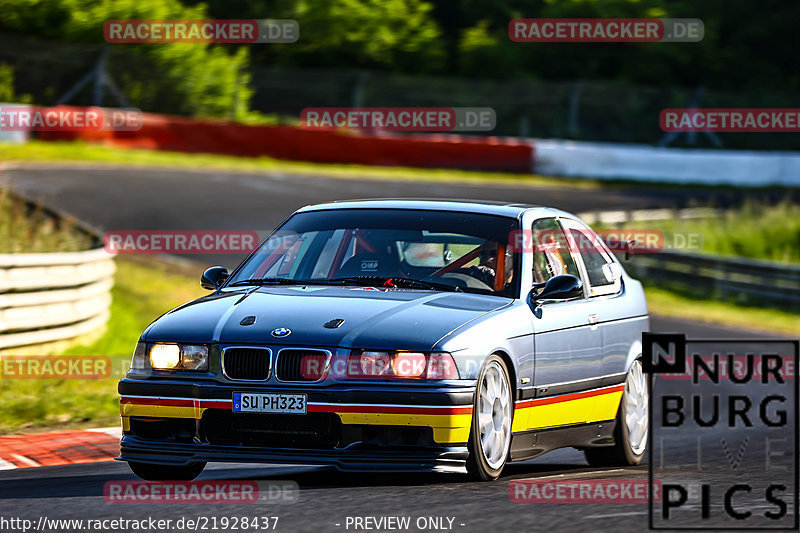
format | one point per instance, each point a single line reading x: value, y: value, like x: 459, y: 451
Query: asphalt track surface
x: 138, y: 199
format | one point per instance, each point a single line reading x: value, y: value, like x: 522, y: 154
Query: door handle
x: 593, y: 319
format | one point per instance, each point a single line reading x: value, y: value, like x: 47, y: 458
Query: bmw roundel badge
x: 281, y: 332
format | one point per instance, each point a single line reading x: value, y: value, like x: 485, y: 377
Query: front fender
x: 634, y: 353
x: 509, y: 331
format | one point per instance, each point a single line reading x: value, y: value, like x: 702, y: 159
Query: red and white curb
x: 59, y: 448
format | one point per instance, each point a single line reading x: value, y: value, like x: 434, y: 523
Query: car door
x: 606, y: 299
x: 567, y: 341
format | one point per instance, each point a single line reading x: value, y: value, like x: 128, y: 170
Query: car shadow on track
x: 331, y: 478
x: 77, y: 481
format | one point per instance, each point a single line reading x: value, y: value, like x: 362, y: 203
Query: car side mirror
x: 561, y: 287
x: 213, y: 278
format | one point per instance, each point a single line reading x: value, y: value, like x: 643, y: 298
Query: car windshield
x: 428, y: 250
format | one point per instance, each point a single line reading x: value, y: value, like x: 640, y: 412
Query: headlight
x: 374, y: 364
x: 400, y: 365
x: 441, y: 366
x: 165, y: 356
x: 194, y: 357
x: 139, y: 354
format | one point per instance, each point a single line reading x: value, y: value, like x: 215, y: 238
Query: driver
x: 487, y: 264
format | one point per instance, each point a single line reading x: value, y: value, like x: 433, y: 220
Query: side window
x: 551, y: 252
x: 601, y: 269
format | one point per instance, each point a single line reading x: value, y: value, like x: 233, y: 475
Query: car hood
x: 373, y: 318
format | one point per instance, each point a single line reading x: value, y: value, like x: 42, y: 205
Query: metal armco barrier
x: 50, y: 297
x: 764, y: 282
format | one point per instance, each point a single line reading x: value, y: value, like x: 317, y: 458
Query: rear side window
x: 551, y: 252
x: 602, y: 272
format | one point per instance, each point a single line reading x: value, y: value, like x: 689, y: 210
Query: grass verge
x: 671, y: 304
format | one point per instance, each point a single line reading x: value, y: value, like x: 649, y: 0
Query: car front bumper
x: 351, y: 427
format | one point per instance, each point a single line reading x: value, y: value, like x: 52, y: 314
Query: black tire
x: 154, y: 472
x: 478, y: 466
x: 621, y: 453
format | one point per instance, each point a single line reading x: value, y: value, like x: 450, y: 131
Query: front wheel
x: 630, y: 433
x: 154, y: 472
x: 492, y: 414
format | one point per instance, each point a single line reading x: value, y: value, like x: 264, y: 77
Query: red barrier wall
x: 161, y: 132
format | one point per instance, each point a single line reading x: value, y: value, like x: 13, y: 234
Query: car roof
x: 469, y: 206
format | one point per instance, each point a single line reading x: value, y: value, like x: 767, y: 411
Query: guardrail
x: 47, y: 297
x: 726, y: 277
x: 646, y: 215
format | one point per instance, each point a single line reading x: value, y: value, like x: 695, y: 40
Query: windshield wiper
x: 269, y: 281
x: 391, y: 281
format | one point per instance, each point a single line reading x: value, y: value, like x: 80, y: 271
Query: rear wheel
x: 154, y: 472
x: 630, y: 434
x: 493, y: 411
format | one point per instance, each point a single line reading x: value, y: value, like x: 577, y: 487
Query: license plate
x: 246, y: 402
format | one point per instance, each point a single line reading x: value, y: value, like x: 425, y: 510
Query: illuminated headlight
x: 178, y: 357
x: 162, y: 356
x: 165, y: 356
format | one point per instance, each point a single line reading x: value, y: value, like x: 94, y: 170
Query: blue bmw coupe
x: 397, y: 335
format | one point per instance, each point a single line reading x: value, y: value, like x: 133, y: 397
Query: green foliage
x: 181, y: 78
x: 384, y: 34
x: 6, y: 83
x: 745, y: 49
x: 7, y: 92
x: 757, y: 230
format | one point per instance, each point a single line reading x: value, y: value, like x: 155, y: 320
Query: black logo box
x: 675, y: 344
